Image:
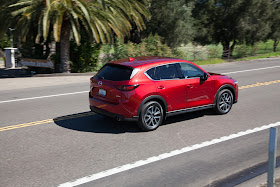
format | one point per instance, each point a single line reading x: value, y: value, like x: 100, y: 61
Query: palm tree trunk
x: 65, y: 47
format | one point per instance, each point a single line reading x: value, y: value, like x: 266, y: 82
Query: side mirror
x: 204, y: 77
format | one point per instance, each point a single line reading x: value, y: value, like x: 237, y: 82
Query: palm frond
x: 100, y: 18
x: 75, y: 29
x: 57, y: 26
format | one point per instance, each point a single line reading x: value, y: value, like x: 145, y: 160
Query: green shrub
x: 254, y: 49
x: 4, y: 42
x: 241, y: 51
x: 214, y: 51
x: 150, y: 46
x: 210, y: 61
x: 84, y: 58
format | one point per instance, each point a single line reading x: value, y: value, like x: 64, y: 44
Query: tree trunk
x: 227, y: 49
x: 232, y: 48
x: 275, y: 45
x: 65, y: 47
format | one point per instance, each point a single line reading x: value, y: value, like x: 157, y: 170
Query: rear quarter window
x: 163, y: 72
x: 114, y: 72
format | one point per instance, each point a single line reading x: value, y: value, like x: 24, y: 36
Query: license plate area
x: 102, y: 92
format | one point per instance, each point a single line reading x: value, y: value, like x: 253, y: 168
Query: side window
x: 190, y: 70
x: 167, y: 71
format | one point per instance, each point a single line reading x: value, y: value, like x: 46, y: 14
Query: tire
x: 224, y: 101
x: 151, y: 116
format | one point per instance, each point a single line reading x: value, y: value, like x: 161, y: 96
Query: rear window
x: 113, y: 72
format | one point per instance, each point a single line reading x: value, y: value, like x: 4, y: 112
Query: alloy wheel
x: 152, y: 116
x: 225, y: 102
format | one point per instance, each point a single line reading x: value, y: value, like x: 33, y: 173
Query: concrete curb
x: 24, y: 72
x: 64, y: 74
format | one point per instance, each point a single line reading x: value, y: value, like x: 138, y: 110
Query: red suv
x: 149, y: 89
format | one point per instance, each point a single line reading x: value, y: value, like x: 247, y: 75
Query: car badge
x: 100, y: 83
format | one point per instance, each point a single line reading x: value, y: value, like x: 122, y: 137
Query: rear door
x: 169, y: 85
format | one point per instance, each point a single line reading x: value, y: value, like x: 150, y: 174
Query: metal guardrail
x: 271, y: 156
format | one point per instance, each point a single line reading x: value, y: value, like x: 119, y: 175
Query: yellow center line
x: 91, y: 113
x: 259, y: 84
x: 45, y: 121
x: 25, y: 125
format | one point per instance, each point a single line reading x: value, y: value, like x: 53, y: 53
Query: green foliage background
x: 150, y: 46
x: 189, y: 29
x: 84, y: 58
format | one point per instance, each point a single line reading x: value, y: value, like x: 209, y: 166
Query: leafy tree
x: 100, y: 18
x: 4, y: 42
x: 172, y: 20
x: 232, y: 21
x: 5, y: 16
x: 275, y: 24
x: 4, y: 26
x: 29, y: 48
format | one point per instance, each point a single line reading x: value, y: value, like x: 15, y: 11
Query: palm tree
x: 100, y: 18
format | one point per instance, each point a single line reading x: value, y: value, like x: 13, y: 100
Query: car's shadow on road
x: 91, y: 122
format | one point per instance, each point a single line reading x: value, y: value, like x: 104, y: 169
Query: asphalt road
x: 66, y: 142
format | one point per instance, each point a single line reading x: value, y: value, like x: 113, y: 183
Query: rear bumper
x: 118, y: 111
x: 112, y: 115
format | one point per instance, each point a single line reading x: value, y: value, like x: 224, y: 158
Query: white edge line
x: 24, y: 99
x: 251, y: 70
x: 163, y: 156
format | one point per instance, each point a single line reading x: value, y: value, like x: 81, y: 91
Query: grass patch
x: 201, y: 53
x: 211, y: 54
x: 218, y: 60
x: 210, y: 61
x: 267, y: 55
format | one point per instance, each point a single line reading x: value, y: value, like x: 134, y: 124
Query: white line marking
x: 163, y: 156
x: 251, y: 70
x: 24, y: 99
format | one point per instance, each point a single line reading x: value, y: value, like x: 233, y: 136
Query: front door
x: 198, y: 92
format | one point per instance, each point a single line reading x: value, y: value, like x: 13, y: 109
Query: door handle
x: 161, y: 87
x: 190, y: 86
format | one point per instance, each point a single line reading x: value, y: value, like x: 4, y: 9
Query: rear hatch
x: 105, y: 84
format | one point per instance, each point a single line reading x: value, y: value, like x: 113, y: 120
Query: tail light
x: 91, y: 79
x: 127, y: 87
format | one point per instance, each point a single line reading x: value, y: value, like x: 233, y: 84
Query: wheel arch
x: 157, y: 98
x: 230, y: 88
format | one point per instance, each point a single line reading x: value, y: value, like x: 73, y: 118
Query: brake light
x: 127, y: 87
